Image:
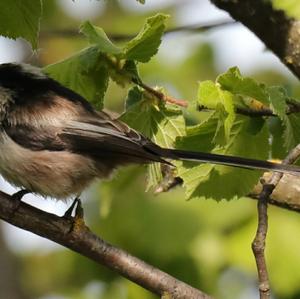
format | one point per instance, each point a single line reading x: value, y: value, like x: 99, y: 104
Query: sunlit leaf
x: 212, y: 96
x: 233, y: 81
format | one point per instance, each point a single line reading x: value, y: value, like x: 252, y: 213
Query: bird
x: 54, y: 143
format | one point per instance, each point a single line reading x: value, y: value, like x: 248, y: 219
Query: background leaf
x: 291, y: 7
x: 97, y: 36
x: 21, y: 18
x: 84, y: 73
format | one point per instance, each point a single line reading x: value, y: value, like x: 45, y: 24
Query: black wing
x: 109, y: 139
x: 35, y: 138
x: 100, y: 137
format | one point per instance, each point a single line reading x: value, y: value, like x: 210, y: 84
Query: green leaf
x: 233, y: 81
x: 122, y: 63
x: 131, y: 70
x: 134, y: 96
x: 146, y: 43
x: 21, y: 18
x: 123, y: 72
x: 247, y: 139
x: 292, y: 130
x: 97, y: 36
x: 278, y: 97
x: 159, y: 122
x: 141, y: 48
x: 141, y: 1
x: 84, y: 73
x: 212, y: 96
x: 275, y: 96
x: 276, y: 127
x: 208, y: 94
x: 291, y: 133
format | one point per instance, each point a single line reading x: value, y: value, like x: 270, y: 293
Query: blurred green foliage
x: 203, y: 242
x: 291, y: 7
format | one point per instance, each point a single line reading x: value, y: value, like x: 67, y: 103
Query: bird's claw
x: 77, y: 219
x: 16, y: 197
x: 19, y: 195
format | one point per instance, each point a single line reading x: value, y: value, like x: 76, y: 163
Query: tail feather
x: 229, y: 160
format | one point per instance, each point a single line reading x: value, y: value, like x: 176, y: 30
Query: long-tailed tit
x: 53, y: 143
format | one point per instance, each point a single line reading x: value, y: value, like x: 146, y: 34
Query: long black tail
x: 229, y: 160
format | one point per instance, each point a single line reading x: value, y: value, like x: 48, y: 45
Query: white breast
x: 58, y: 174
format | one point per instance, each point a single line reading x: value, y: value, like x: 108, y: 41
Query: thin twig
x: 161, y: 96
x: 78, y: 237
x: 263, y: 111
x: 258, y: 244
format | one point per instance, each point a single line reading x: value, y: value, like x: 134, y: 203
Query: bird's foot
x: 19, y: 195
x: 17, y: 199
x: 69, y: 211
x: 77, y: 219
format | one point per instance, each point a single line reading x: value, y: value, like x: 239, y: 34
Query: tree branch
x: 285, y: 195
x: 280, y: 33
x: 258, y: 244
x: 77, y: 236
